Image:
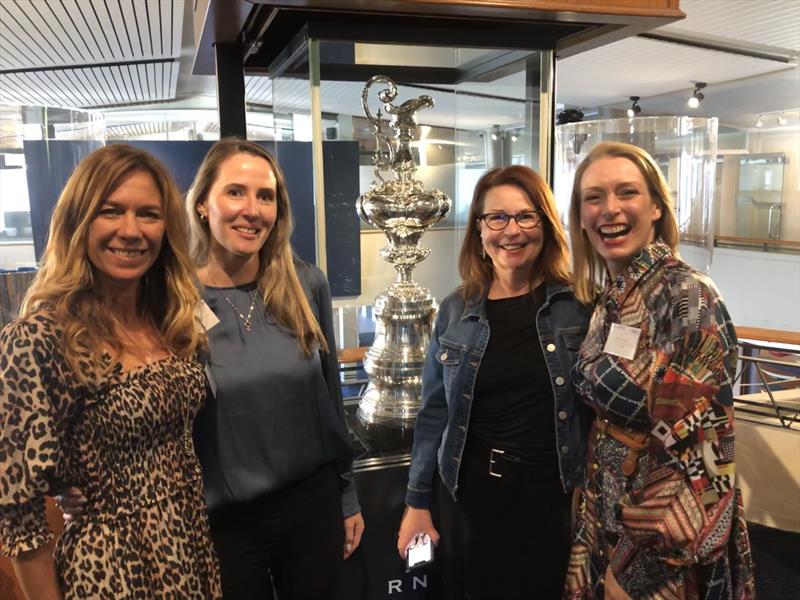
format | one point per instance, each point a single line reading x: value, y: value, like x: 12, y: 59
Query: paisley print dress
x: 660, y: 506
x: 126, y: 443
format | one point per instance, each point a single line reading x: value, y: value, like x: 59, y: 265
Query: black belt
x: 501, y: 464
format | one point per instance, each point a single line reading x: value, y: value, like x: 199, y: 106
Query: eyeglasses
x: 498, y: 221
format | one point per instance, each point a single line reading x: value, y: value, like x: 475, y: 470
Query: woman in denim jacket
x: 499, y: 421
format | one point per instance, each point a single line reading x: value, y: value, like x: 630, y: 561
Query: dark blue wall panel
x: 48, y: 165
x: 342, y: 229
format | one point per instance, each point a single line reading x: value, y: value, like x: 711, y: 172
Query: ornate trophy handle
x: 386, y: 95
x: 383, y: 157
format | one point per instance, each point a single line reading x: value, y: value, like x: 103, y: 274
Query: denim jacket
x: 459, y: 339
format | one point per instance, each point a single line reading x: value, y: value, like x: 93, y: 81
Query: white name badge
x: 207, y: 317
x: 622, y: 341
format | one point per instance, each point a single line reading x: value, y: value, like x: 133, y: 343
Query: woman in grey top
x: 271, y: 438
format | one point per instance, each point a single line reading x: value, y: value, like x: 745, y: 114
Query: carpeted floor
x: 777, y: 557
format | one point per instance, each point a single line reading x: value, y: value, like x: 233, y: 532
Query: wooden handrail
x: 730, y: 239
x: 761, y: 242
x: 776, y: 336
x: 352, y: 355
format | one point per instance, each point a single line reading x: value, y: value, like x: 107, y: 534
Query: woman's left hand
x: 71, y: 501
x: 353, y: 528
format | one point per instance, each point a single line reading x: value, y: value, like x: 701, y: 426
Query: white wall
x: 761, y: 289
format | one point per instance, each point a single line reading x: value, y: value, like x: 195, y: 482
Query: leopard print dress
x: 126, y: 442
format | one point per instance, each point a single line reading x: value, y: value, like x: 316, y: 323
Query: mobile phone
x: 419, y: 552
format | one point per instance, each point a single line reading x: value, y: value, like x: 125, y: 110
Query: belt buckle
x: 492, y: 461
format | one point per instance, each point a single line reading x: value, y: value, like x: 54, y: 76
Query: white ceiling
x: 642, y: 67
x: 769, y: 22
x: 102, y: 53
x: 740, y: 88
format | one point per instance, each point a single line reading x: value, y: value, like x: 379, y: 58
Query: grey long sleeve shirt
x: 275, y: 416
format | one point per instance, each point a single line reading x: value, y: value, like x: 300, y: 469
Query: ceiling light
x: 697, y: 95
x: 781, y: 120
x: 635, y: 109
x: 759, y: 122
x: 494, y: 137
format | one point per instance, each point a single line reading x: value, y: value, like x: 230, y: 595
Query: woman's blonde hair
x: 552, y: 264
x: 588, y: 266
x: 67, y: 285
x: 278, y: 283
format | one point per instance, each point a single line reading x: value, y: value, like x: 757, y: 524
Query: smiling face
x: 617, y: 211
x: 126, y: 235
x: 241, y: 206
x: 513, y: 249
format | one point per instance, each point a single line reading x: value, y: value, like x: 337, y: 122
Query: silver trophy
x: 401, y: 207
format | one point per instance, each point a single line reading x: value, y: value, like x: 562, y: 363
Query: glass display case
x: 685, y: 149
x: 759, y: 199
x: 488, y: 112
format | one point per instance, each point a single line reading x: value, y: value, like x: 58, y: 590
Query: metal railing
x: 774, y: 398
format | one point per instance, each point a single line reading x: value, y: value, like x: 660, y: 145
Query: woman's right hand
x: 71, y: 501
x: 415, y: 520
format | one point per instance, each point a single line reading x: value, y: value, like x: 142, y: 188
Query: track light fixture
x: 781, y: 120
x: 569, y: 115
x: 697, y: 95
x: 759, y: 122
x: 635, y: 109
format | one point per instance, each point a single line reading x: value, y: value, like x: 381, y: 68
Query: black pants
x: 294, y: 537
x: 502, y: 539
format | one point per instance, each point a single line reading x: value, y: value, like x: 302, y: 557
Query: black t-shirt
x: 513, y: 401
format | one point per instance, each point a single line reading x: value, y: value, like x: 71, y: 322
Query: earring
x: 483, y: 253
x: 203, y: 217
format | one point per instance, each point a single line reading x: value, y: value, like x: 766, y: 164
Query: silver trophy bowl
x: 401, y: 207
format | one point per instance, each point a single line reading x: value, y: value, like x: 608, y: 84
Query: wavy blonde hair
x: 552, y: 264
x: 277, y: 279
x: 67, y: 285
x: 589, y: 269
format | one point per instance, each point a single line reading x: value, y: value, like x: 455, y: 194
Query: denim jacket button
x: 562, y: 414
x: 551, y: 347
x: 444, y: 356
x: 559, y: 380
x: 564, y: 449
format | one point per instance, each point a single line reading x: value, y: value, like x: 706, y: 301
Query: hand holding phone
x: 419, y: 552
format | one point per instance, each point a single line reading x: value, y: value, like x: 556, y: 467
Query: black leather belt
x: 501, y: 464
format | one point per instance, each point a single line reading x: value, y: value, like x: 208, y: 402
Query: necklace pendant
x: 247, y: 325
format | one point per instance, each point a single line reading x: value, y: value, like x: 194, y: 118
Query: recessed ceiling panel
x: 89, y: 54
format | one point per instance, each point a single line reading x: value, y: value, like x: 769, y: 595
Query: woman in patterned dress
x: 660, y: 515
x: 99, y: 385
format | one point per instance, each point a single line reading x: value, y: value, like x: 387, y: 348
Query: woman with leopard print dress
x: 99, y: 385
